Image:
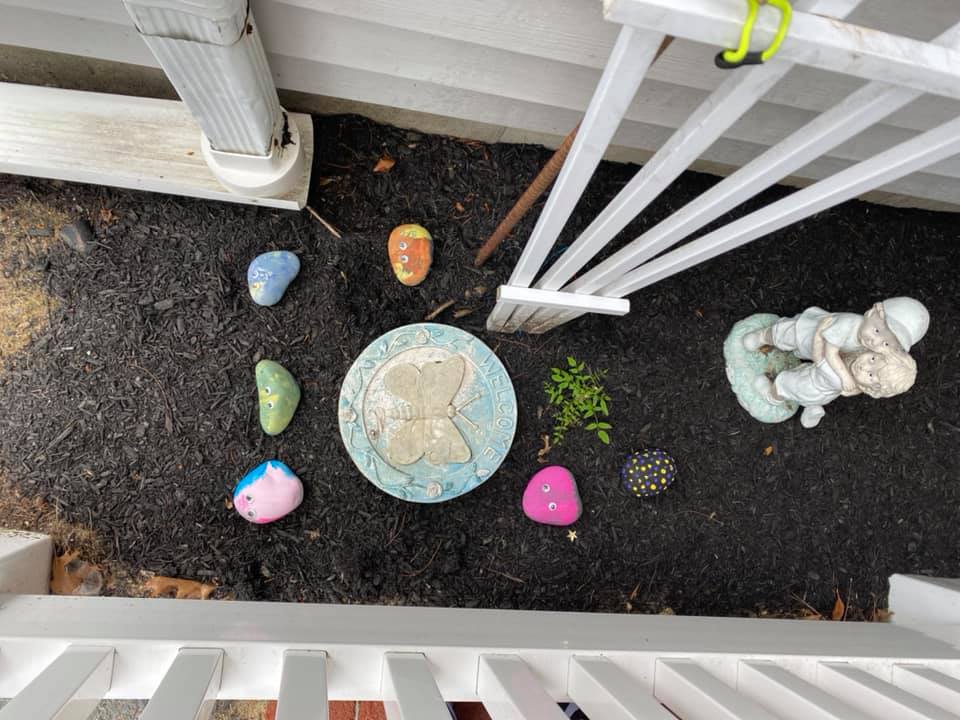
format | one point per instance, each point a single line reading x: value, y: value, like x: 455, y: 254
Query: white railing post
x: 212, y: 53
x: 876, y: 697
x: 789, y: 696
x: 25, y: 560
x: 918, y: 601
x: 725, y: 105
x: 509, y: 690
x: 303, y: 686
x: 189, y: 689
x: 629, y: 60
x: 605, y: 691
x: 691, y: 692
x: 861, y: 109
x: 67, y: 689
x: 409, y: 690
x: 903, y: 159
x: 937, y: 687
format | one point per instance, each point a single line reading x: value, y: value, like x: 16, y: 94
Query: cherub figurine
x: 849, y: 353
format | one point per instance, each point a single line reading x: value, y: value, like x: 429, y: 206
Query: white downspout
x: 212, y: 53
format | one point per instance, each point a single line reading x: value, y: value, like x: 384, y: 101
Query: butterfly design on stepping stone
x: 428, y: 430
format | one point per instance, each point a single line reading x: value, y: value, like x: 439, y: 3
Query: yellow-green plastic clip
x: 742, y: 55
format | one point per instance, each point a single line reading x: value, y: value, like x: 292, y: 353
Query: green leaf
x: 604, y: 426
x: 571, y: 362
x: 592, y: 426
x: 604, y: 438
x: 603, y: 406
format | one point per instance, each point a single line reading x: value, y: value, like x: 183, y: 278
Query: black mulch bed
x: 136, y: 411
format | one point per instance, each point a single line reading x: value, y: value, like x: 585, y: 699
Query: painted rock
x: 551, y: 497
x: 269, y: 275
x: 267, y: 493
x: 648, y: 473
x: 410, y: 248
x: 279, y: 396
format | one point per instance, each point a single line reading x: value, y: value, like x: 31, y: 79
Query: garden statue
x: 776, y: 364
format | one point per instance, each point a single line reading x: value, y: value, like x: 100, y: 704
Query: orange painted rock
x: 410, y: 248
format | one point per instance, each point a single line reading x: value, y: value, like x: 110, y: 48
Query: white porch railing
x: 900, y: 70
x: 60, y: 655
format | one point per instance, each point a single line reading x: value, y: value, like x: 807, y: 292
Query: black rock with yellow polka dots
x: 648, y: 473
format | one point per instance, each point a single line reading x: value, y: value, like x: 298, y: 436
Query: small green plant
x: 577, y: 397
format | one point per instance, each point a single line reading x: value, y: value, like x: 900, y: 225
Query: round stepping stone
x: 427, y: 412
x: 410, y: 249
x: 278, y: 394
x: 648, y: 473
x: 551, y: 497
x: 267, y: 493
x: 269, y: 275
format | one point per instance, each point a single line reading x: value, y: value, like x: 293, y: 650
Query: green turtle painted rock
x: 279, y: 396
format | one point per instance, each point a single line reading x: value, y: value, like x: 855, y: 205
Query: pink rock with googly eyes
x: 551, y: 497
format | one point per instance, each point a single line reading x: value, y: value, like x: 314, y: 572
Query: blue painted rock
x: 267, y: 493
x: 648, y: 473
x: 551, y: 497
x: 279, y: 396
x: 269, y: 275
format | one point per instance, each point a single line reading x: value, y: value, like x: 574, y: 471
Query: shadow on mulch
x: 135, y: 412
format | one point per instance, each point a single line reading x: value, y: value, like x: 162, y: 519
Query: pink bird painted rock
x: 267, y: 493
x: 551, y: 497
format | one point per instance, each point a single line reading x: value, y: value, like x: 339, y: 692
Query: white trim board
x: 562, y: 39
x: 665, y: 98
x: 130, y: 142
x: 535, y: 78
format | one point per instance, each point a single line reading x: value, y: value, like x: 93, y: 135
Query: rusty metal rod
x: 539, y: 185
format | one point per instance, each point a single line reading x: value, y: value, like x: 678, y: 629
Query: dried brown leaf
x: 545, y: 450
x: 839, y: 608
x: 768, y: 451
x: 161, y: 586
x: 384, y: 164
x: 73, y: 576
